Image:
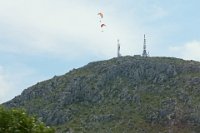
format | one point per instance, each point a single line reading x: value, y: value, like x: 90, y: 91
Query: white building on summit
x: 144, y: 53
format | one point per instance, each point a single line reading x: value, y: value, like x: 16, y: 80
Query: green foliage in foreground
x: 17, y: 121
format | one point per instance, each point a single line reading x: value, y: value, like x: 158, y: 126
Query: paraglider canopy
x: 102, y: 25
x: 101, y: 18
x: 100, y: 14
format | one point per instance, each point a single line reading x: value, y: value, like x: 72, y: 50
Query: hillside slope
x: 126, y: 94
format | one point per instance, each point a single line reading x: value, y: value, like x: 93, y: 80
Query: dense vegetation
x: 126, y: 94
x: 18, y: 121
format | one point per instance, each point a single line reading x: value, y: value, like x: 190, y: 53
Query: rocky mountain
x: 120, y: 95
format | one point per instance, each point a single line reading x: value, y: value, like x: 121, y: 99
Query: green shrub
x: 18, y: 121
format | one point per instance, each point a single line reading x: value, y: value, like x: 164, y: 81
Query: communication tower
x: 144, y: 54
x: 118, y: 48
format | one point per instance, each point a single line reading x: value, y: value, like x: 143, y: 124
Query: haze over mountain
x: 126, y: 94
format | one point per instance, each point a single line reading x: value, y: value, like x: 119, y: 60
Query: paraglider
x: 102, y: 25
x: 100, y: 14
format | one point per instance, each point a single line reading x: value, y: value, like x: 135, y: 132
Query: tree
x: 18, y: 121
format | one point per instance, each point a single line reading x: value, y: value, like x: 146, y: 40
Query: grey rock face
x: 128, y: 79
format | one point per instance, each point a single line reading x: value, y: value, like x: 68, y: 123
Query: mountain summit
x: 124, y: 94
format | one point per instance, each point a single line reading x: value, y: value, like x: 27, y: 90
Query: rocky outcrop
x: 159, y: 90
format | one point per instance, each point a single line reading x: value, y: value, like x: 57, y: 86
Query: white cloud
x: 64, y: 28
x: 189, y: 51
x: 5, y: 86
x: 16, y: 78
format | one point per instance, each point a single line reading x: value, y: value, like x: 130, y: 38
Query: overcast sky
x: 43, y: 38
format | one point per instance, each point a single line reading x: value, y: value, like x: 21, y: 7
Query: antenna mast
x: 118, y: 48
x: 144, y: 54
